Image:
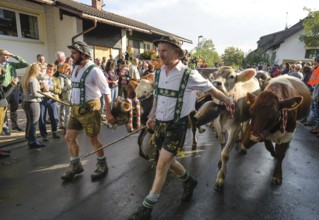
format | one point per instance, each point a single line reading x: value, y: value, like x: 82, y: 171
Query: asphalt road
x: 31, y: 188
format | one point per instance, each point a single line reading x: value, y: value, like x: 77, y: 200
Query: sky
x: 228, y: 23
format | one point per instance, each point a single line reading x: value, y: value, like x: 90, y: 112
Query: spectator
x: 31, y: 104
x: 285, y: 69
x: 103, y: 65
x: 133, y: 69
x: 10, y: 74
x: 42, y: 63
x: 296, y: 72
x: 112, y: 79
x: 3, y: 95
x: 314, y: 81
x: 52, y: 86
x: 59, y: 58
x: 124, y: 78
x: 149, y: 73
x: 66, y: 85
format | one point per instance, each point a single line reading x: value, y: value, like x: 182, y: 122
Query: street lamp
x: 198, y: 39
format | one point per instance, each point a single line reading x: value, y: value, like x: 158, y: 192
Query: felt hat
x: 81, y: 47
x: 171, y: 40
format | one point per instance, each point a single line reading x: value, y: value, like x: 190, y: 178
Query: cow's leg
x: 193, y: 126
x: 270, y: 147
x: 224, y: 156
x: 280, y: 155
x: 221, y: 137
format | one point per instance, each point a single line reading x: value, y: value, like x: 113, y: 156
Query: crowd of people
x: 55, y: 80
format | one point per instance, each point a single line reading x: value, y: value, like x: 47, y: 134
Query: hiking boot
x: 101, y: 171
x: 189, y: 187
x: 74, y: 169
x: 142, y: 213
x: 56, y: 136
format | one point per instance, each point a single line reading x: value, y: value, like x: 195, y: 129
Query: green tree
x: 311, y: 26
x: 233, y: 57
x: 206, y: 49
x: 256, y: 56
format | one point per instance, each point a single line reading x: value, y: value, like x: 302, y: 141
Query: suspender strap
x: 179, y: 101
x: 173, y: 93
x: 81, y: 85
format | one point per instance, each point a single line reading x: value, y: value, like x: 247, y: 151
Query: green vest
x: 81, y: 84
x: 173, y: 93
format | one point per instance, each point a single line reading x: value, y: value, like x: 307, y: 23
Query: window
x: 18, y: 24
x: 311, y: 53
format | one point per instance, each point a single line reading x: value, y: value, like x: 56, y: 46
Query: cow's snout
x: 217, y: 83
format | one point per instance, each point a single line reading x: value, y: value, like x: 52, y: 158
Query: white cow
x: 229, y: 123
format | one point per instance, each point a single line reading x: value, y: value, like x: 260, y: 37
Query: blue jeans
x: 50, y: 106
x: 114, y: 94
x: 32, y: 112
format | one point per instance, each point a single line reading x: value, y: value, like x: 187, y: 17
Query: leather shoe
x: 189, y: 187
x: 36, y: 145
x: 16, y: 129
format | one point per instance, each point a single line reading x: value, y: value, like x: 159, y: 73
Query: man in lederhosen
x: 175, y: 96
x: 88, y: 84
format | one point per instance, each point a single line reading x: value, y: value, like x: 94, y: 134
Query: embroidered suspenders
x: 173, y: 93
x: 81, y: 85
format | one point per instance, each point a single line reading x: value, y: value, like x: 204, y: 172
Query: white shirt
x: 165, y: 109
x: 135, y: 74
x: 95, y: 84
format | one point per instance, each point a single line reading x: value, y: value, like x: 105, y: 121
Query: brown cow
x: 274, y: 114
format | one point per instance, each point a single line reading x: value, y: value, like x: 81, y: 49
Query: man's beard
x: 78, y: 61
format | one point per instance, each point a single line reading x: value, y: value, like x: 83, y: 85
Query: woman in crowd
x: 31, y: 104
x: 112, y: 79
x: 124, y: 78
x: 51, y: 86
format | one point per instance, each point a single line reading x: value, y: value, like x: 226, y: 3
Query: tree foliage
x: 206, y: 50
x: 257, y: 56
x: 233, y: 57
x: 311, y: 26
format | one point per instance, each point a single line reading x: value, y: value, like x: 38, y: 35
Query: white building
x: 285, y: 46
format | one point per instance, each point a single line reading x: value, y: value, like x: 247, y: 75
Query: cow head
x: 263, y: 79
x: 144, y: 89
x: 266, y: 112
x: 226, y: 78
x: 120, y: 110
x: 130, y: 89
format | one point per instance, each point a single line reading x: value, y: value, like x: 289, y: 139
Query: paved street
x: 30, y: 185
